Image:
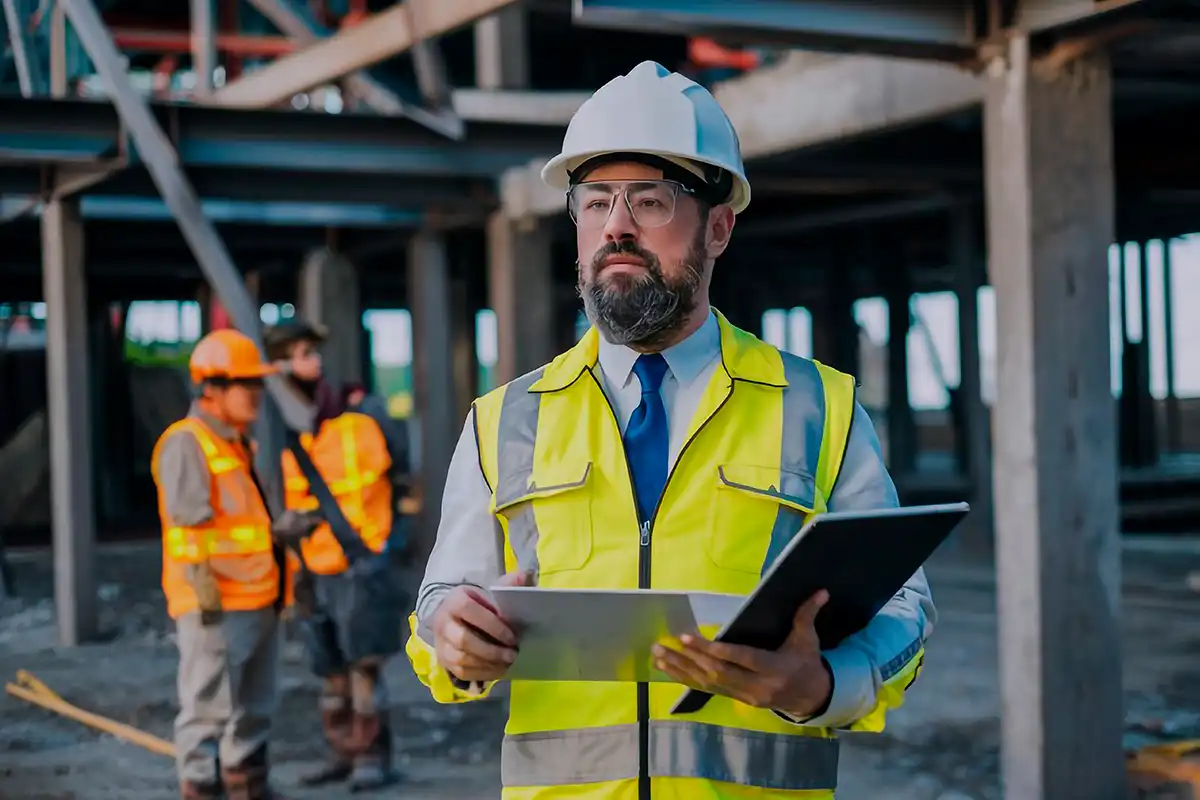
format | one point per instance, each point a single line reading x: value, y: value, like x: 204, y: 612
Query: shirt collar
x: 686, y: 359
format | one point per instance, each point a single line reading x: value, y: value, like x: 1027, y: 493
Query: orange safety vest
x: 351, y: 454
x: 236, y: 541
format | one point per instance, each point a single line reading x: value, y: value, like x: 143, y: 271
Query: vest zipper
x: 645, y: 526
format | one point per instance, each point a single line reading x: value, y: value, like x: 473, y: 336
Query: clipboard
x: 863, y: 558
x: 601, y: 634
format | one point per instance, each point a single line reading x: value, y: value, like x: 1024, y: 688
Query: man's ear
x: 720, y: 229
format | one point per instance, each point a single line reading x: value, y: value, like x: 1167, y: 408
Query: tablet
x: 863, y: 558
x: 601, y: 634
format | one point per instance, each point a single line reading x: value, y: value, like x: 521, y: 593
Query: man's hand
x: 208, y: 594
x: 792, y: 679
x: 471, y: 640
x: 293, y: 526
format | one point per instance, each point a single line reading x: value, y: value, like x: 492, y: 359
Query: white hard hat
x: 655, y: 112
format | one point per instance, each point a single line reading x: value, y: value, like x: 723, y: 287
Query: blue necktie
x: 646, y: 436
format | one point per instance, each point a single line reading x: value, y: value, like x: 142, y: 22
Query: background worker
x: 723, y: 445
x: 354, y: 627
x: 222, y: 576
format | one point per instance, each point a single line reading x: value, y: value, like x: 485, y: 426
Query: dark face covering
x: 643, y: 310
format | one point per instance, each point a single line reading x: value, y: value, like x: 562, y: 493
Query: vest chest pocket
x: 757, y: 510
x: 549, y: 517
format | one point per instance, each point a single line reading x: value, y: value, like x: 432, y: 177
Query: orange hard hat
x: 230, y: 355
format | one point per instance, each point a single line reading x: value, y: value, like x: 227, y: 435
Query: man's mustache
x: 625, y: 248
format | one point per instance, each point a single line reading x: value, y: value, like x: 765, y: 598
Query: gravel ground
x: 943, y: 745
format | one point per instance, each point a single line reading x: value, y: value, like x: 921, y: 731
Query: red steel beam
x: 236, y: 44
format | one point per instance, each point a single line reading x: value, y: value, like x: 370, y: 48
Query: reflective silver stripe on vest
x: 514, y: 465
x: 803, y: 430
x: 677, y: 750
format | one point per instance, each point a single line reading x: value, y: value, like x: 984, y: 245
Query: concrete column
x: 466, y: 362
x: 502, y: 50
x: 433, y: 373
x: 1173, y: 423
x: 329, y: 295
x: 834, y: 329
x: 975, y: 426
x: 204, y: 48
x: 1050, y: 197
x: 521, y: 289
x: 73, y: 515
x: 901, y: 426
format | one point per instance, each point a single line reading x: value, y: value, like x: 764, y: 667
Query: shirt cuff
x: 853, y: 690
x: 470, y: 687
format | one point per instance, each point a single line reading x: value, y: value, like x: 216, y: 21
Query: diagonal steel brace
x: 206, y: 245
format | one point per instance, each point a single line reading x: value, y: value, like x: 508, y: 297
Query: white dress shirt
x: 464, y: 551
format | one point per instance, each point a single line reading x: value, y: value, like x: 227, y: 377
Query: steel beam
x: 884, y: 27
x: 1073, y: 17
x: 155, y: 149
x: 297, y: 23
x: 1050, y: 201
x: 852, y: 215
x: 518, y: 106
x: 41, y: 131
x: 31, y: 77
x: 377, y: 38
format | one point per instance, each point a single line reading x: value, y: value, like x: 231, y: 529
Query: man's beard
x: 641, y: 310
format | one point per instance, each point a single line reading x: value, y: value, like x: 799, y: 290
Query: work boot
x: 189, y: 790
x: 336, y: 718
x: 249, y: 780
x: 373, y: 759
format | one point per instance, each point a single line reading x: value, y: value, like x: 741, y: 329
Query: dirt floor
x: 943, y: 745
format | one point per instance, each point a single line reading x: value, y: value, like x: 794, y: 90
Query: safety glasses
x: 651, y: 204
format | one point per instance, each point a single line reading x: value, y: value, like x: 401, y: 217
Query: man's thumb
x: 518, y: 578
x: 806, y: 615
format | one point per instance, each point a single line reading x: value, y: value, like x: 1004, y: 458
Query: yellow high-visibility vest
x: 763, y: 452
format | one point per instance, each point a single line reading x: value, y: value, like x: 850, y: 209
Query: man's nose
x: 620, y: 224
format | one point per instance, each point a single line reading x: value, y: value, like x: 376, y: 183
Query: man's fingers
x: 748, y: 658
x: 460, y: 639
x: 485, y: 620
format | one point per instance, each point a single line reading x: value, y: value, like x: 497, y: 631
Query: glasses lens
x: 652, y: 203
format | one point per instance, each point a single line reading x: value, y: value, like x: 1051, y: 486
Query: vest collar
x: 744, y: 356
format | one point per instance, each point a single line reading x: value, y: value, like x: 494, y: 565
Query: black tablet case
x: 862, y: 558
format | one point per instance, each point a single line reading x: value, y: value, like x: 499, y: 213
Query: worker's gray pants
x: 228, y: 690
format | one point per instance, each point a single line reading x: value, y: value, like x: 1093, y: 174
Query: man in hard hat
x: 356, y: 625
x: 222, y: 576
x: 666, y: 450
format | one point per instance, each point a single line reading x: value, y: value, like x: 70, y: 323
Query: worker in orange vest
x: 356, y: 623
x: 222, y: 576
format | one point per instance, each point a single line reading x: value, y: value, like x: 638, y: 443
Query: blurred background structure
x: 984, y: 209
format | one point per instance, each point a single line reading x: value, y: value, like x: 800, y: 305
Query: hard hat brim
x: 251, y: 373
x: 257, y: 371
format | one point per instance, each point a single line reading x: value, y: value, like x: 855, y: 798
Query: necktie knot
x: 650, y: 369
